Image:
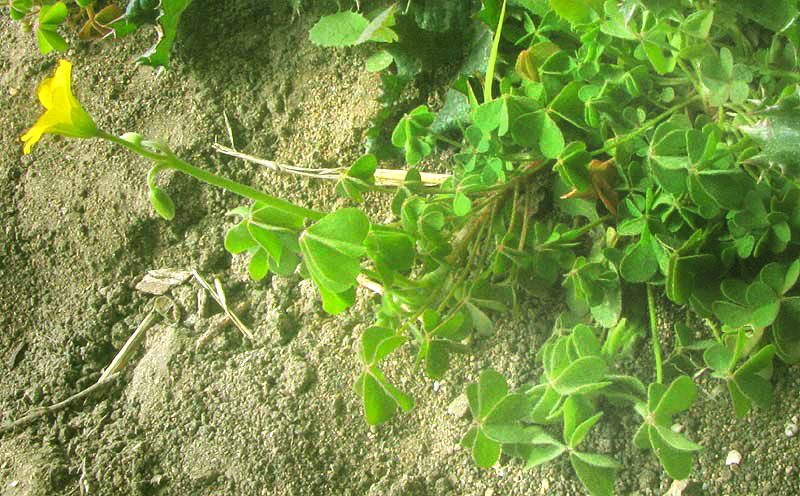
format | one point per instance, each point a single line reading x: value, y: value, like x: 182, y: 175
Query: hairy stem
x: 651, y: 305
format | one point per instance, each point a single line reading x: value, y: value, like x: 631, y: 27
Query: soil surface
x: 200, y: 410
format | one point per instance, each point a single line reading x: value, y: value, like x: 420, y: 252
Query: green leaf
x: 741, y: 404
x: 724, y: 80
x: 338, y: 30
x: 53, y: 14
x: 573, y: 167
x: 568, y: 105
x: 678, y: 397
x: 268, y: 240
x: 380, y: 398
x: 169, y: 15
x: 437, y: 359
x: 580, y: 432
x: 378, y: 342
x: 379, y: 61
x: 335, y: 303
x: 492, y: 387
x: 727, y: 188
x: 380, y: 28
x: 598, y: 479
x: 698, y: 24
x: 676, y: 441
x: 508, y: 410
x: 659, y: 50
x: 538, y: 454
x: 677, y: 463
x: 485, y: 451
x: 764, y: 302
x: 483, y: 324
x: 409, y: 131
x: 779, y: 15
x: 755, y: 388
x: 461, y: 204
x: 583, y: 373
x: 50, y: 40
x: 577, y: 11
x: 719, y: 357
x: 537, y: 129
x: 639, y: 263
x: 258, y: 268
x: 732, y: 314
x: 779, y: 136
x: 616, y: 23
x: 393, y: 248
x: 332, y: 248
x: 238, y: 239
x: 785, y: 333
x: 758, y: 361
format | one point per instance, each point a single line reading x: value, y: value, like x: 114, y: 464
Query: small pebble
x: 677, y: 428
x: 791, y: 429
x: 459, y: 406
x: 733, y: 458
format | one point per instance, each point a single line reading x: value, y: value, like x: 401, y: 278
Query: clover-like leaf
x: 677, y: 463
x: 380, y: 398
x: 537, y: 129
x: 724, y: 80
x: 596, y: 472
x: 409, y: 134
x: 582, y: 375
x: 332, y: 248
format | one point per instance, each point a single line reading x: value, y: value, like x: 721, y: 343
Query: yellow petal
x: 30, y: 138
x: 45, y: 92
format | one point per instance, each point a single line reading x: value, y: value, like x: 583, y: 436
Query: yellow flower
x: 64, y: 113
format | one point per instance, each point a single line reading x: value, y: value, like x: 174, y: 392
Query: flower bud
x: 162, y: 203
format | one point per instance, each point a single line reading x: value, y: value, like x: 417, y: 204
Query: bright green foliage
x: 673, y: 450
x: 748, y: 384
x: 19, y: 8
x: 169, y: 13
x: 380, y: 397
x: 337, y: 30
x: 665, y: 136
x: 269, y: 235
x: 497, y: 414
x: 724, y: 79
x: 639, y: 121
x: 332, y: 250
x: 410, y: 132
x: 50, y: 17
x: 359, y: 178
x: 577, y: 10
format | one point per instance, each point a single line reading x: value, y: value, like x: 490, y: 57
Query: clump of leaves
x: 665, y: 166
x: 109, y: 20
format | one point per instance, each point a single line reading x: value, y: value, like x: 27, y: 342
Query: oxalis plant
x: 666, y: 134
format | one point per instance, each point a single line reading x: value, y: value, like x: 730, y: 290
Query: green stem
x: 169, y: 161
x: 447, y: 140
x: 571, y: 235
x: 654, y: 330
